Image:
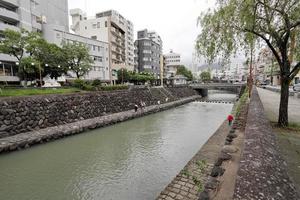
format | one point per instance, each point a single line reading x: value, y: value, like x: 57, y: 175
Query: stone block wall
x: 22, y: 114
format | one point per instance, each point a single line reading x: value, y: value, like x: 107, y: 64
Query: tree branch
x: 295, y: 71
x: 268, y: 43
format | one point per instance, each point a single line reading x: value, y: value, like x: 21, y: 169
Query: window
x: 94, y: 47
x: 98, y: 24
x: 85, y: 27
x: 98, y: 58
x: 105, y: 23
x: 94, y: 37
x: 94, y: 26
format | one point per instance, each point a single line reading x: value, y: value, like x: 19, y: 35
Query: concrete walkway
x: 271, y: 101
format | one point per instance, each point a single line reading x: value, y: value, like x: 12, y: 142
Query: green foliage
x: 96, y: 82
x: 77, y: 58
x: 36, y: 91
x: 242, y: 24
x: 47, y: 58
x: 14, y: 43
x: 205, y: 76
x: 96, y: 85
x: 114, y: 87
x: 134, y: 77
x: 182, y: 70
x: 236, y: 111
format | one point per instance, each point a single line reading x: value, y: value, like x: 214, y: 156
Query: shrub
x: 96, y: 82
x: 114, y: 87
x: 78, y: 83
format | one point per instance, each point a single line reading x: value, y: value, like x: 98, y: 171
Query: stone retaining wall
x: 27, y: 139
x: 23, y: 114
x: 262, y: 173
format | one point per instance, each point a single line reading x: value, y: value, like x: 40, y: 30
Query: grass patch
x: 36, y: 91
x: 295, y: 127
x: 236, y: 111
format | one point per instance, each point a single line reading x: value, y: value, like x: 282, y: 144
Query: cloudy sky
x: 174, y: 20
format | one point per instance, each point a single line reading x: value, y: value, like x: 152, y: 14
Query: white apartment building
x: 172, y: 62
x: 30, y: 15
x: 51, y: 19
x: 98, y: 51
x: 110, y: 27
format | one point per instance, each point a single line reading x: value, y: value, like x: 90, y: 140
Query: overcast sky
x: 174, y: 20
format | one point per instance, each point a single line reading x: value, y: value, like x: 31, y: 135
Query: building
x: 98, y: 51
x: 51, y: 19
x: 30, y: 15
x: 172, y: 62
x: 110, y: 27
x: 148, y: 51
x: 266, y: 69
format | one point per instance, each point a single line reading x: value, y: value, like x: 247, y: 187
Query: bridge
x: 203, y: 88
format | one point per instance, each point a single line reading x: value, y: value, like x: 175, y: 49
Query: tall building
x: 149, y: 48
x: 110, y: 27
x: 172, y: 62
x: 52, y: 20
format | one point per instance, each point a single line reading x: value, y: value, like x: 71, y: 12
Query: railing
x: 9, y: 14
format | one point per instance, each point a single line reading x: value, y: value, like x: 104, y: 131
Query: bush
x: 84, y: 85
x: 88, y: 87
x: 113, y: 87
x: 96, y: 82
x: 78, y: 83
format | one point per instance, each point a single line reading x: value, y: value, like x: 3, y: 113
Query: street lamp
x: 46, y: 65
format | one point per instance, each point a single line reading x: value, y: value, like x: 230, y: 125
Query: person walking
x: 230, y: 119
x: 136, y: 107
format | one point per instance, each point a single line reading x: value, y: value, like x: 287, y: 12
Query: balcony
x: 7, y: 26
x: 12, y: 3
x: 9, y: 15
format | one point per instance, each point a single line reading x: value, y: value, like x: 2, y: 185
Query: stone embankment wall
x: 28, y: 139
x: 262, y: 173
x: 24, y: 114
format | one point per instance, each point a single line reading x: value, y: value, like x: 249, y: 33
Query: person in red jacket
x: 230, y: 119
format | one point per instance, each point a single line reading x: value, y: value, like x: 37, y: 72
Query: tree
x: 77, y: 58
x: 236, y: 24
x: 182, y: 70
x: 53, y: 60
x: 123, y: 75
x: 205, y: 76
x: 14, y: 44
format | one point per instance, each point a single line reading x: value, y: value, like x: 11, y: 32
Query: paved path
x: 262, y: 173
x: 270, y: 102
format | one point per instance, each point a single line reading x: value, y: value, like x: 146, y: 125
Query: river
x: 133, y: 160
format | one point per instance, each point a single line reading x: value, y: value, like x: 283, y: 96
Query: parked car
x: 296, y: 87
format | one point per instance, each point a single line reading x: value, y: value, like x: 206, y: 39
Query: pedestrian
x: 230, y: 119
x: 142, y: 104
x: 136, y: 107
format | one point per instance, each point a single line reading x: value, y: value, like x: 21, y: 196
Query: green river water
x: 133, y: 160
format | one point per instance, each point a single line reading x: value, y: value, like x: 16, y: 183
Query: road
x: 271, y: 101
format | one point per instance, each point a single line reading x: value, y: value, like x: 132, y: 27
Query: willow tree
x: 274, y: 23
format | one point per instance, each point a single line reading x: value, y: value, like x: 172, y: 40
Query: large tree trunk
x: 284, y: 102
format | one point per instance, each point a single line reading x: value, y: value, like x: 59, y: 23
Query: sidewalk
x: 287, y: 140
x: 271, y: 101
